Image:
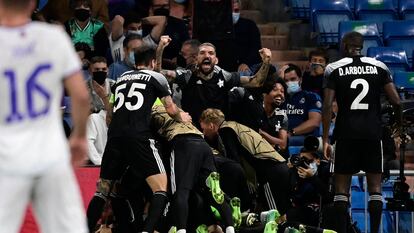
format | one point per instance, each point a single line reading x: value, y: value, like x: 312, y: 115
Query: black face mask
x: 162, y: 11
x: 99, y: 77
x: 82, y: 14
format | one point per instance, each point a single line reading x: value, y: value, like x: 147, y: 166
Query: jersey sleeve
x: 232, y: 79
x: 161, y: 84
x: 182, y: 77
x: 69, y: 59
x: 314, y: 102
x: 330, y: 78
x: 148, y: 41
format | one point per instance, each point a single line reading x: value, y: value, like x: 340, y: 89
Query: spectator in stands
x: 132, y: 24
x: 247, y: 40
x: 99, y: 85
x: 59, y: 11
x: 312, y: 79
x: 188, y: 53
x: 175, y: 28
x: 85, y: 53
x: 83, y: 28
x: 303, y: 107
x: 131, y: 43
x: 101, y: 112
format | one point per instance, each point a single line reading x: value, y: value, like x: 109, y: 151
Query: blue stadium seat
x: 376, y: 10
x: 325, y: 17
x: 406, y: 9
x: 404, y: 80
x: 394, y: 58
x: 400, y: 34
x: 300, y: 9
x: 369, y: 29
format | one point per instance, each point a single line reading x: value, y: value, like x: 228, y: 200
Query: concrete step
x: 267, y: 29
x: 276, y: 42
x: 254, y: 15
x: 301, y: 64
x: 288, y: 55
x: 283, y: 28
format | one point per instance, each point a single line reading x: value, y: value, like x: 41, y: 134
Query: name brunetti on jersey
x: 129, y: 77
x: 357, y: 70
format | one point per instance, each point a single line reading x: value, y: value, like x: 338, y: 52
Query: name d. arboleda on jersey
x: 357, y: 70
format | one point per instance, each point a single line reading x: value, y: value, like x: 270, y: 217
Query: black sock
x: 224, y: 209
x: 123, y: 214
x: 375, y: 211
x: 341, y: 205
x: 94, y: 211
x: 156, y: 209
x: 180, y: 208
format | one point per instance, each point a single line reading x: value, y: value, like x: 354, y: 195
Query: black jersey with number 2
x: 358, y: 83
x: 135, y: 93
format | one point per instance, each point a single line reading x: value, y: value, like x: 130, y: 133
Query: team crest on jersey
x: 302, y: 101
x: 179, y: 72
x: 199, y: 82
x: 220, y: 83
x: 318, y: 104
x: 277, y: 126
x: 251, y: 97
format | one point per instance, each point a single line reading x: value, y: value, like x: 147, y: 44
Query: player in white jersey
x: 35, y: 159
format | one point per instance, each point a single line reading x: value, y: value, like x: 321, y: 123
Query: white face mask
x: 136, y: 32
x: 236, y: 17
x: 314, y: 167
x: 293, y: 87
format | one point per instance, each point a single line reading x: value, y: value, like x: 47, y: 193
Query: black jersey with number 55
x: 135, y: 93
x: 358, y: 82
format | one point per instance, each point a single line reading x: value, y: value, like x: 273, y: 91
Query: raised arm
x: 258, y: 79
x: 117, y: 27
x: 164, y: 42
x: 158, y: 24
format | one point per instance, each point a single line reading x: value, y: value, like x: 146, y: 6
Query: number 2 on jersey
x: 356, y: 104
x: 31, y: 88
x: 133, y: 91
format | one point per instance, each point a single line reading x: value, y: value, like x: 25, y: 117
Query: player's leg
x: 373, y: 166
x: 57, y: 201
x: 13, y: 201
x: 112, y: 168
x: 341, y: 201
x: 150, y: 164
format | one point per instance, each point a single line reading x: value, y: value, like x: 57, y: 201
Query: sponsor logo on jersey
x: 291, y: 110
x: 357, y: 70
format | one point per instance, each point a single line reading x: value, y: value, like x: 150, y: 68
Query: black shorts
x: 191, y: 161
x: 140, y: 155
x: 352, y: 156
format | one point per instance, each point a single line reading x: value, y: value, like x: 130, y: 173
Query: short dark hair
x: 143, y: 55
x: 270, y: 83
x: 208, y: 44
x: 98, y: 59
x: 77, y: 3
x: 320, y: 52
x: 132, y: 17
x: 130, y: 37
x: 353, y: 39
x: 16, y: 4
x: 82, y: 46
x: 293, y: 67
x: 194, y: 43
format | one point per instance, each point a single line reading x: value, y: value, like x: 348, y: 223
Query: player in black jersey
x: 357, y: 82
x: 130, y: 142
x: 206, y: 85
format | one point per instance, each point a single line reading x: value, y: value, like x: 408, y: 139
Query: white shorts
x: 54, y: 196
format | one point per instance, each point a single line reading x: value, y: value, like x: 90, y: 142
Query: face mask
x: 314, y: 167
x: 162, y: 11
x: 236, y: 17
x: 99, y: 77
x: 135, y: 32
x: 82, y: 14
x: 293, y: 87
x: 131, y: 58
